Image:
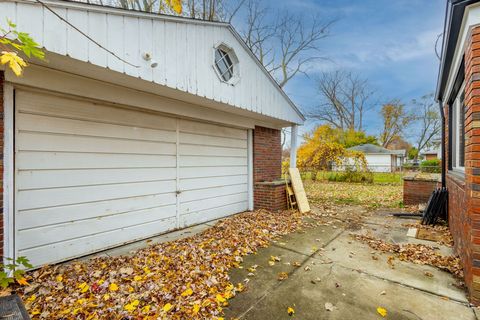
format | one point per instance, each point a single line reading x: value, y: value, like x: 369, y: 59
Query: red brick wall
x: 270, y: 196
x: 2, y: 78
x: 269, y: 193
x: 464, y: 191
x: 267, y: 154
x: 417, y: 191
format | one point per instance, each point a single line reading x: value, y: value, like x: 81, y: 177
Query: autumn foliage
x: 326, y: 147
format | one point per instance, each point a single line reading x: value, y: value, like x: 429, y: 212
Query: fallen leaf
x: 290, y: 311
x: 329, y: 306
x: 382, y: 311
x: 282, y: 276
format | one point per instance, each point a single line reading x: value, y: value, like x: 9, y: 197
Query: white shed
x: 380, y: 159
x: 104, y: 148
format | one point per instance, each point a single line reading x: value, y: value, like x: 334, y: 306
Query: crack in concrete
x: 337, y: 264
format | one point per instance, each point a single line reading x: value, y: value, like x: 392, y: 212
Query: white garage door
x: 92, y: 176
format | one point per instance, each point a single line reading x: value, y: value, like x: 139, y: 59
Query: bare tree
x: 395, y: 120
x: 288, y: 44
x: 427, y: 122
x: 299, y: 44
x: 258, y: 33
x: 346, y: 98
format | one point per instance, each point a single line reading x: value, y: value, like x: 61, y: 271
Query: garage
x: 90, y: 176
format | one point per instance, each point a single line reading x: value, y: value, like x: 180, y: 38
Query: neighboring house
x: 431, y: 154
x: 459, y: 102
x: 380, y: 159
x: 100, y: 151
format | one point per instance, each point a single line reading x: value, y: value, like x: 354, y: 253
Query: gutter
x: 442, y: 114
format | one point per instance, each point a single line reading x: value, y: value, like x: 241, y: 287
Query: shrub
x: 351, y: 176
x: 432, y: 166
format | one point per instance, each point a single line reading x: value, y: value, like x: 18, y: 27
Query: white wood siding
x: 91, y: 176
x: 213, y: 171
x: 184, y: 50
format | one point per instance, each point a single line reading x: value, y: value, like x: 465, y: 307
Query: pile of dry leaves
x: 183, y: 279
x: 443, y: 235
x: 416, y: 253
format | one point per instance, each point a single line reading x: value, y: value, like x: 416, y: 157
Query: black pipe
x: 442, y: 114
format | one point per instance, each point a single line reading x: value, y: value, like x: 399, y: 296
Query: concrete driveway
x: 327, y: 268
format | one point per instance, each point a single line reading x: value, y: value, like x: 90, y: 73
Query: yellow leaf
x: 147, y: 270
x: 81, y: 301
x: 146, y: 309
x: 83, y: 287
x: 382, y: 311
x: 106, y: 296
x: 35, y: 311
x: 15, y: 62
x: 22, y: 281
x: 187, y: 292
x: 131, y: 306
x: 59, y: 278
x: 290, y: 311
x: 137, y: 278
x: 196, y: 308
x: 32, y: 298
x: 167, y: 307
x: 113, y: 287
x: 176, y: 5
x: 220, y: 298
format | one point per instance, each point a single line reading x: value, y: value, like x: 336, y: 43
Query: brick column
x: 269, y: 188
x: 2, y: 80
x: 471, y: 222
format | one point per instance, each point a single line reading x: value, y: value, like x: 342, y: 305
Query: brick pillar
x: 2, y: 80
x: 471, y: 221
x: 269, y: 188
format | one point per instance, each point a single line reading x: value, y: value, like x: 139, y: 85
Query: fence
x: 374, y: 174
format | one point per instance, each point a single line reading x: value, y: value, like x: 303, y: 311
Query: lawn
x: 374, y: 195
x: 378, y: 177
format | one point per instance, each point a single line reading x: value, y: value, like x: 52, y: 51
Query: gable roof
x: 374, y: 149
x: 185, y: 65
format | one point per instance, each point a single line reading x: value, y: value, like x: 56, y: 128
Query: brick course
x: 417, y: 191
x: 269, y: 190
x: 464, y: 195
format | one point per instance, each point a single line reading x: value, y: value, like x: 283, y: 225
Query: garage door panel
x: 209, y: 203
x: 204, y: 183
x: 75, y: 248
x: 39, y: 179
x: 211, y: 130
x: 199, y: 194
x: 204, y: 172
x: 44, y: 160
x: 37, y: 217
x: 79, y: 229
x: 70, y: 143
x: 196, y: 150
x: 191, y: 138
x: 91, y: 176
x: 48, y: 124
x: 207, y: 161
x: 212, y: 214
x: 42, y: 198
x: 58, y: 106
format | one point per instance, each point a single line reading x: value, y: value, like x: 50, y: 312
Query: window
x: 226, y: 64
x: 457, y: 122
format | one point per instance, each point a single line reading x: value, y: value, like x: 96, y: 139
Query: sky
x: 389, y: 42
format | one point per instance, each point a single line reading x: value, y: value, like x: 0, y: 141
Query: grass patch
x: 367, y: 195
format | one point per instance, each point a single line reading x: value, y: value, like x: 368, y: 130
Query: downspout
x: 442, y: 114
